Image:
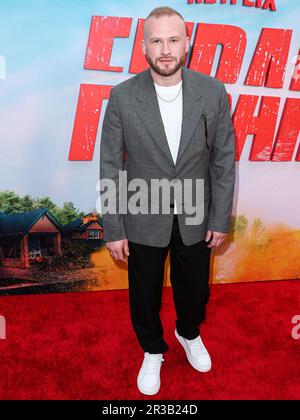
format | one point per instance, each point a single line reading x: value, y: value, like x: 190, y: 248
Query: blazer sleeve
x: 111, y: 162
x: 222, y: 169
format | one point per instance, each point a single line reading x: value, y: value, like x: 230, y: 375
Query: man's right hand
x: 119, y: 250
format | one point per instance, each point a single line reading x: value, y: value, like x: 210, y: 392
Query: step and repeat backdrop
x: 58, y: 62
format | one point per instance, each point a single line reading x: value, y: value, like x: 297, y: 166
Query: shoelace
x: 152, y: 363
x: 196, y: 347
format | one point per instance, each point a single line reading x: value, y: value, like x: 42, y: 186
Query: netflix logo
x: 259, y: 4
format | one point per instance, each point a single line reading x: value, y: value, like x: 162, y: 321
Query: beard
x: 167, y: 71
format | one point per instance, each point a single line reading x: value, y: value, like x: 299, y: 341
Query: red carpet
x: 81, y: 346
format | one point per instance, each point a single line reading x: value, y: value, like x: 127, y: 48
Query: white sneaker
x: 196, y: 352
x: 148, y: 380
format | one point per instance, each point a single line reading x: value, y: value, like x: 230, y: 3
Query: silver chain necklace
x: 171, y: 99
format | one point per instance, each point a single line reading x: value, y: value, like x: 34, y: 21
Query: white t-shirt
x: 171, y: 113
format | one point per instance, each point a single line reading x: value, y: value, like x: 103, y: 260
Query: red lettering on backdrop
x: 101, y: 38
x: 270, y: 58
x: 267, y: 68
x: 261, y: 126
x: 250, y: 3
x: 270, y: 4
x: 138, y: 61
x: 87, y: 117
x: 233, y: 41
x: 288, y: 132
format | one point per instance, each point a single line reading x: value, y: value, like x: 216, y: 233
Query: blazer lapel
x: 148, y: 109
x: 191, y: 113
x: 149, y: 112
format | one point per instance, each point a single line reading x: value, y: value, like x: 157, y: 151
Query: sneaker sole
x: 149, y: 392
x: 181, y: 341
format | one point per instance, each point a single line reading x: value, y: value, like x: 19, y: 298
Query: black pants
x: 189, y: 276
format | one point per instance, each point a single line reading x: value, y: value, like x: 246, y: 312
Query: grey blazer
x: 133, y: 122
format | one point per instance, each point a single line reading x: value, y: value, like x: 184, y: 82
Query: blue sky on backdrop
x: 44, y: 44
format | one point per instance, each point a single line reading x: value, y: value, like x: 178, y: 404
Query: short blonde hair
x: 164, y: 11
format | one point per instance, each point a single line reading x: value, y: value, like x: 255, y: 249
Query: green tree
x: 9, y: 202
x: 240, y: 224
x: 45, y: 202
x: 67, y: 213
x: 26, y: 203
x: 257, y: 228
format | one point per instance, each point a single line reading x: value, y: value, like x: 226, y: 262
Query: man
x: 174, y: 124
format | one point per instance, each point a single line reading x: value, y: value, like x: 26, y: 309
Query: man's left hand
x: 216, y: 238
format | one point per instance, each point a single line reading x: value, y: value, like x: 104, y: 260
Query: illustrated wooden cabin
x: 87, y: 229
x: 38, y: 233
x: 24, y: 236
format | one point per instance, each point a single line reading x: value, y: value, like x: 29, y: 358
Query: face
x: 165, y: 44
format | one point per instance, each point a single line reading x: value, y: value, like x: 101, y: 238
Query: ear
x: 187, y: 44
